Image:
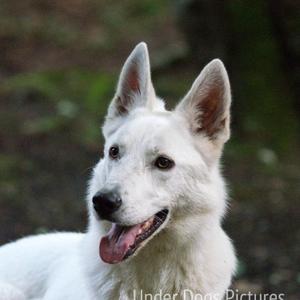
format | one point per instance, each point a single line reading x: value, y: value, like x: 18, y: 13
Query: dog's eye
x: 164, y: 163
x: 114, y: 152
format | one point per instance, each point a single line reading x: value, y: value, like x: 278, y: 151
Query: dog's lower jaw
x: 203, y: 266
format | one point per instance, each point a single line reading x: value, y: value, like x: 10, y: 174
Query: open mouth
x: 122, y: 241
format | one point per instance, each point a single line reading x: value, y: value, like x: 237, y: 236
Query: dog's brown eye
x: 114, y: 152
x: 164, y: 163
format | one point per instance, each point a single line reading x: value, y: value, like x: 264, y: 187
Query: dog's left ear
x: 206, y: 107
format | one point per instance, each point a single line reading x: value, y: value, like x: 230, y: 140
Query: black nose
x: 106, y: 203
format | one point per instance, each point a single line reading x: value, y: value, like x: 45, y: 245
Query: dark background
x: 59, y: 62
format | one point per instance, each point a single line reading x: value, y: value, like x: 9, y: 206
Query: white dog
x: 156, y: 201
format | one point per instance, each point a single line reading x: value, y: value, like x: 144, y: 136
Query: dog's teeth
x: 147, y: 224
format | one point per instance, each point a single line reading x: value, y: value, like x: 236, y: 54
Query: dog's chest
x: 163, y: 278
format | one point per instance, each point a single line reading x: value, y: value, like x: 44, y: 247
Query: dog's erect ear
x: 135, y: 87
x: 206, y: 107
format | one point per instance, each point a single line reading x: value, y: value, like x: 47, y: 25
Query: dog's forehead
x: 153, y: 130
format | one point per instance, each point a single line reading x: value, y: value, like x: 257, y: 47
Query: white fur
x: 191, y: 251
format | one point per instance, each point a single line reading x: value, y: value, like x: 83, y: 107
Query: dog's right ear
x: 134, y: 88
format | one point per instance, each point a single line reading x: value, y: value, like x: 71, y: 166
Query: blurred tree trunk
x: 204, y: 24
x: 285, y: 19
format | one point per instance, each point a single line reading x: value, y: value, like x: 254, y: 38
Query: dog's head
x: 160, y: 168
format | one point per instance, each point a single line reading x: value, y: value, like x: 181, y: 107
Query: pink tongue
x: 117, y: 242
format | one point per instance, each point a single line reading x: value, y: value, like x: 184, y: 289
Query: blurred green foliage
x: 75, y: 98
